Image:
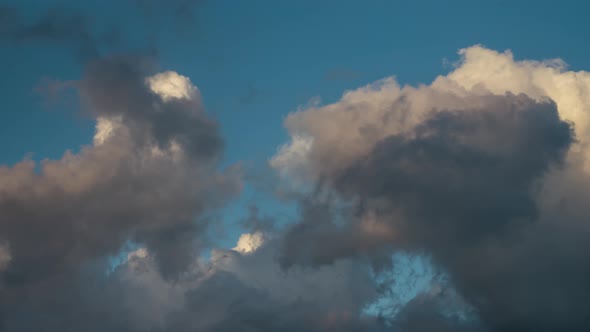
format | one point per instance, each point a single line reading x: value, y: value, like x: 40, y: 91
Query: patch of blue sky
x: 413, y: 275
x: 410, y: 275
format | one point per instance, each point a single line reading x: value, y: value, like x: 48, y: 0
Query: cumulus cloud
x: 476, y: 169
x: 148, y: 178
x: 368, y: 114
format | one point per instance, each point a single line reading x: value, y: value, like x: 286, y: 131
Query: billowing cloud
x: 476, y: 169
x: 251, y: 292
x: 366, y: 115
x: 148, y: 178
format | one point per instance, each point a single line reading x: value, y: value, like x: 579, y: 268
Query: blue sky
x: 256, y: 61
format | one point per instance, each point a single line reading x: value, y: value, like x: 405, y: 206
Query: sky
x: 191, y: 165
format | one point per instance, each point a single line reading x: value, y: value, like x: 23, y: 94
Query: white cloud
x: 171, y: 85
x: 499, y: 73
x: 105, y: 128
x: 249, y: 242
x: 291, y: 158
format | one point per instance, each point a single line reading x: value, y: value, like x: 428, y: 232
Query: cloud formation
x: 475, y: 169
x: 148, y: 178
x: 484, y: 172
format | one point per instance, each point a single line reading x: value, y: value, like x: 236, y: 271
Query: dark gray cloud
x: 465, y: 166
x: 251, y: 292
x: 115, y: 86
x: 426, y: 312
x: 149, y: 178
x: 328, y: 235
x: 464, y: 186
x: 233, y: 291
x: 457, y: 167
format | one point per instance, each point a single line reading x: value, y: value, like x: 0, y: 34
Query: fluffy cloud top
x: 248, y: 243
x: 326, y: 137
x: 170, y: 85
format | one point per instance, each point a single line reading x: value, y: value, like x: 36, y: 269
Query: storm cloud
x: 470, y: 170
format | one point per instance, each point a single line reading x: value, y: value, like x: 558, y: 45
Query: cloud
x: 476, y: 169
x: 170, y: 111
x: 383, y: 108
x: 5, y: 256
x: 170, y: 85
x: 149, y: 176
x: 251, y: 292
x: 483, y: 172
x: 424, y: 313
x: 248, y: 242
x: 292, y: 158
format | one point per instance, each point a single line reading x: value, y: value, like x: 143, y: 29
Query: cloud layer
x: 483, y: 174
